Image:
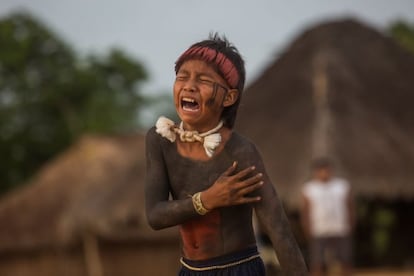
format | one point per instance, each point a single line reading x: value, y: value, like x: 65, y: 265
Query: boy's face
x: 200, y: 94
x: 323, y: 174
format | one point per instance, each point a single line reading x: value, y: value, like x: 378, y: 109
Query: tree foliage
x: 403, y: 33
x: 49, y: 96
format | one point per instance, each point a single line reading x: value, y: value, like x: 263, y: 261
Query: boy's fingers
x: 245, y: 172
x: 250, y: 181
x: 251, y: 188
x: 245, y: 200
x: 231, y: 169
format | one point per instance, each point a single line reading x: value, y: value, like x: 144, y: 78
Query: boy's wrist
x: 205, y: 200
x: 199, y: 205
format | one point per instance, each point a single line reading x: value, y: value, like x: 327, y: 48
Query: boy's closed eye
x: 181, y: 77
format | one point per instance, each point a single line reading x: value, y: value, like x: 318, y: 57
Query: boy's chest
x: 188, y: 177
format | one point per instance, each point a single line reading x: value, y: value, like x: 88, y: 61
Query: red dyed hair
x: 224, y: 65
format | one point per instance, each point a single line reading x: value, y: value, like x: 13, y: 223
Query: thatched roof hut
x: 341, y: 89
x: 92, y: 192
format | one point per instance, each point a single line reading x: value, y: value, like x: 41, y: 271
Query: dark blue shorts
x: 246, y: 262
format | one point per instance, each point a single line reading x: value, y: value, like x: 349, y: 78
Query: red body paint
x: 201, y: 236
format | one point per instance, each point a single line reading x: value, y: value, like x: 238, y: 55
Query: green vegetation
x: 403, y: 33
x: 49, y: 96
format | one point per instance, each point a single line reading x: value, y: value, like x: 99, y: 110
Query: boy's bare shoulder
x: 151, y: 133
x: 241, y: 144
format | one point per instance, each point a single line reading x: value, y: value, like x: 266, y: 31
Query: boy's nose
x: 189, y: 85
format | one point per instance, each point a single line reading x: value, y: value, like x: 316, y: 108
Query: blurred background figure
x: 328, y: 220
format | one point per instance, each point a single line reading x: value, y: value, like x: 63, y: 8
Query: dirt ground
x: 383, y: 273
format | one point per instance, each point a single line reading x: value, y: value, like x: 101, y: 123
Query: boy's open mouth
x: 189, y: 104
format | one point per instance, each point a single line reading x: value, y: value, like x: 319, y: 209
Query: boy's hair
x: 226, y: 61
x: 322, y: 163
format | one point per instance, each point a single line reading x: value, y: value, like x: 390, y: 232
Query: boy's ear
x: 231, y: 97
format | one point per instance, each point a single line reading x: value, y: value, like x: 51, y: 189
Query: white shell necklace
x: 210, y: 139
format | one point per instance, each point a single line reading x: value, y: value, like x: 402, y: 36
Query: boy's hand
x: 231, y: 189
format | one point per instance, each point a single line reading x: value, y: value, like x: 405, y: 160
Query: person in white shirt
x: 328, y: 219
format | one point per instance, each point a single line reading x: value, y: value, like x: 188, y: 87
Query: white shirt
x: 328, y: 207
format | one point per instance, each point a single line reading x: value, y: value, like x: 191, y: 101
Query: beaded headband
x: 224, y: 65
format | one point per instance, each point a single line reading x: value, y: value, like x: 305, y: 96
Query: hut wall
x: 47, y: 261
x: 117, y: 258
x: 152, y: 258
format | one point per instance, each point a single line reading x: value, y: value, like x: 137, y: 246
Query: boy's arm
x: 273, y: 219
x: 160, y: 211
x: 305, y: 215
x: 351, y: 210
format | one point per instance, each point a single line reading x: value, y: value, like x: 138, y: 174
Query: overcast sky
x: 155, y: 32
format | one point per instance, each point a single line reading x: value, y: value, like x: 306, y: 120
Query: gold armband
x: 198, y: 204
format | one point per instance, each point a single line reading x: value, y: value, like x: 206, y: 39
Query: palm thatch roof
x: 94, y: 187
x: 341, y: 89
